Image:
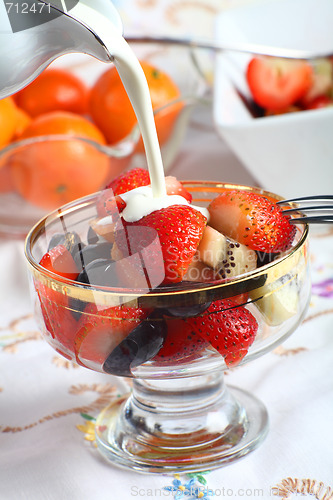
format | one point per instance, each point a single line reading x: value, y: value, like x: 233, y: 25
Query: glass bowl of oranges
x: 73, y: 129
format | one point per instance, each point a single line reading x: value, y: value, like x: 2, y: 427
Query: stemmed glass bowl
x: 180, y: 415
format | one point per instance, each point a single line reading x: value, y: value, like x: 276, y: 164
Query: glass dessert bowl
x: 180, y: 416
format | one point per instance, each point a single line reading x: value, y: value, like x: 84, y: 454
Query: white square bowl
x: 290, y: 154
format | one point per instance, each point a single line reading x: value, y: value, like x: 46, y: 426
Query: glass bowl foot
x: 166, y: 429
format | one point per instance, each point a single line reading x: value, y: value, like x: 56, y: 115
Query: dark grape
x: 89, y: 253
x: 141, y: 345
x: 70, y: 240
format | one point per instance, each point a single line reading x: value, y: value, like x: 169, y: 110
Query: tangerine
x: 63, y: 122
x: 22, y: 121
x: 8, y: 120
x: 53, y: 90
x: 111, y: 109
x: 55, y: 171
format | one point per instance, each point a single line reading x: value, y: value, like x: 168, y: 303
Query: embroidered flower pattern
x: 192, y: 489
x: 88, y: 428
x: 290, y: 487
x: 18, y: 331
x: 323, y: 288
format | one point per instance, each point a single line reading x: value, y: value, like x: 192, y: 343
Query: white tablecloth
x: 47, y: 404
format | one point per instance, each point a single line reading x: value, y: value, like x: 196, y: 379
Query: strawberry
x: 229, y: 328
x: 108, y: 204
x: 276, y: 83
x: 321, y: 101
x: 129, y: 180
x: 179, y: 229
x: 252, y: 220
x: 181, y: 341
x: 140, y: 177
x: 59, y: 260
x: 99, y: 332
x: 59, y: 322
x: 174, y: 186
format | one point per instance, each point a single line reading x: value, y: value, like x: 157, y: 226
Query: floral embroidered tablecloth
x: 48, y: 405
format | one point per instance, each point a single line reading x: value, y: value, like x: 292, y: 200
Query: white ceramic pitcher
x: 35, y: 32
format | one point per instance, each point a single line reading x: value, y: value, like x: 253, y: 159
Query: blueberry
x: 89, y: 253
x: 141, y: 345
x: 70, y: 240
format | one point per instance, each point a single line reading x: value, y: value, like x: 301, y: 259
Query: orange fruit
x: 53, y: 90
x: 22, y: 121
x: 111, y: 109
x: 54, y: 172
x: 63, y: 122
x: 8, y: 120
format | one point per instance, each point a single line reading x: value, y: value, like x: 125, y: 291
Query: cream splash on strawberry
x: 133, y: 194
x: 141, y: 202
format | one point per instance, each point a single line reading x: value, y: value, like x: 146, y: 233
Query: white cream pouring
x: 145, y: 200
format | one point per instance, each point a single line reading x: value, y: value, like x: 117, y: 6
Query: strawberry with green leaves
x: 169, y: 236
x: 229, y: 328
x: 252, y: 220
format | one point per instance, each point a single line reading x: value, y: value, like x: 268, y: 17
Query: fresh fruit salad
x: 283, y: 85
x: 211, y: 275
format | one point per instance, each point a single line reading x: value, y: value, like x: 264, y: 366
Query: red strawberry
x: 140, y: 177
x: 109, y: 201
x: 129, y: 180
x: 59, y: 322
x: 100, y: 331
x: 108, y: 204
x: 181, y: 341
x: 229, y: 328
x: 172, y: 237
x: 321, y: 101
x: 277, y: 83
x: 174, y: 186
x: 59, y: 260
x: 251, y: 219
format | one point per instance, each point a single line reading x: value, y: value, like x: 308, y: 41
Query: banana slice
x: 277, y: 301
